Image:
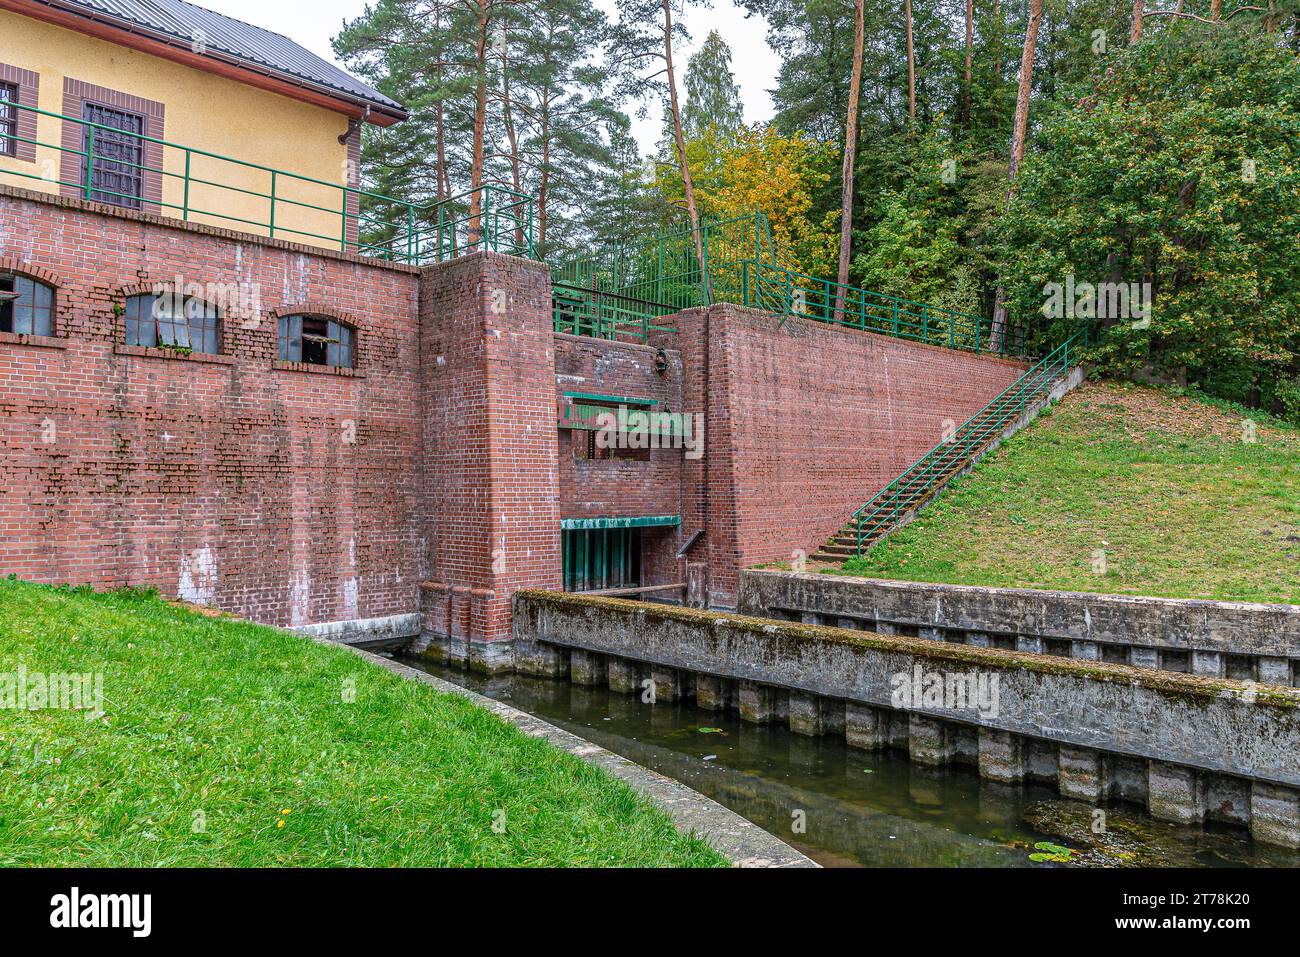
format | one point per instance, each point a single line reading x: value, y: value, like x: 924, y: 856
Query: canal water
x: 849, y: 808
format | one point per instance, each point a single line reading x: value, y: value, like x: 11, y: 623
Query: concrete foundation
x: 1079, y: 774
x: 928, y: 741
x: 1190, y: 747
x: 1001, y: 756
x: 1173, y: 794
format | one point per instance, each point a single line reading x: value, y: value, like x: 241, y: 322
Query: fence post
x: 895, y: 318
x: 273, y: 181
x: 185, y: 209
x: 343, y: 223
x: 90, y: 162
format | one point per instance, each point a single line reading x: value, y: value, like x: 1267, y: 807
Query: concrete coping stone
x: 1164, y: 682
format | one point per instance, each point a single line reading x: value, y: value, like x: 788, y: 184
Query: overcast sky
x: 313, y: 22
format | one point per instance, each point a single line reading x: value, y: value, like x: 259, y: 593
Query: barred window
x: 26, y: 306
x: 8, y: 119
x: 174, y: 321
x: 317, y: 340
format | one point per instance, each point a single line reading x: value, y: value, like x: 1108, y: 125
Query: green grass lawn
x: 225, y: 743
x: 1163, y: 484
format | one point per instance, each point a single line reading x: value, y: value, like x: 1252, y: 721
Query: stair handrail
x: 1039, y: 373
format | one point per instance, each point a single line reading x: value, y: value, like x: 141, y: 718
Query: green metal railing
x: 916, y: 485
x: 746, y: 266
x: 605, y: 315
x: 196, y: 185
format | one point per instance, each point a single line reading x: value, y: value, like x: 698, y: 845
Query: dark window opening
x: 588, y: 445
x: 8, y: 119
x: 173, y: 321
x: 600, y: 558
x: 26, y: 306
x: 585, y: 447
x: 114, y: 151
x: 317, y: 340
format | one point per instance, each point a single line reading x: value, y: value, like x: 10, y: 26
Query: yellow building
x: 171, y: 109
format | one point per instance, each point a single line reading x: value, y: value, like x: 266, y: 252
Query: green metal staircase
x: 896, y: 504
x: 624, y: 292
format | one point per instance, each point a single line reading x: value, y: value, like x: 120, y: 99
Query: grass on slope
x: 228, y: 743
x: 1163, y: 485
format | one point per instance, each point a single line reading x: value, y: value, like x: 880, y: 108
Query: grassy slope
x: 246, y: 723
x: 1163, y: 484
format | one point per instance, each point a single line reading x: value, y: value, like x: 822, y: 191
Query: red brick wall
x: 295, y: 497
x: 289, y: 497
x: 623, y: 485
x: 807, y: 421
x: 490, y: 447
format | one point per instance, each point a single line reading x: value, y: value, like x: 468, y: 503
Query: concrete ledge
x: 219, y: 232
x: 364, y: 630
x: 1210, y: 627
x: 1218, y: 725
x: 741, y: 841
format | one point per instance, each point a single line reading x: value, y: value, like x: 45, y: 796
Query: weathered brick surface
x: 806, y: 421
x: 223, y: 479
x: 294, y: 495
x: 489, y: 441
x: 624, y: 485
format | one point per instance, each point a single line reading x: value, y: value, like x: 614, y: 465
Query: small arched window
x: 317, y: 340
x: 175, y: 321
x: 26, y: 306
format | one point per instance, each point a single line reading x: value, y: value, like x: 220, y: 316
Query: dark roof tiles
x: 234, y: 38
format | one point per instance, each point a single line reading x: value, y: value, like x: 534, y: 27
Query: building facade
x: 289, y: 430
x: 175, y: 110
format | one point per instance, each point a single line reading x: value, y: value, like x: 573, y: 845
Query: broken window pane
x: 173, y: 320
x: 317, y: 340
x: 26, y: 306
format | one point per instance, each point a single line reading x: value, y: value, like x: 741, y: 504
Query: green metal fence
x: 745, y: 265
x: 583, y: 311
x: 918, y: 483
x: 114, y: 166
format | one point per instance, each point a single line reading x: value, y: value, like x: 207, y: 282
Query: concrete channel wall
x: 1239, y: 640
x: 1191, y: 748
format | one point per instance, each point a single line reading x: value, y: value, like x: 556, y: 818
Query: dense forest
x: 1024, y: 158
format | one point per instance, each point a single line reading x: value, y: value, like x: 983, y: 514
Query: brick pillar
x: 491, y: 520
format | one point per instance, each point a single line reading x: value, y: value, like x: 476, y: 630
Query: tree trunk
x: 687, y: 183
x: 507, y: 118
x: 911, y: 73
x: 850, y: 155
x: 442, y: 187
x: 543, y: 187
x: 1026, y: 87
x: 970, y: 51
x: 1216, y: 9
x: 1018, y: 135
x: 1138, y: 8
x: 480, y: 128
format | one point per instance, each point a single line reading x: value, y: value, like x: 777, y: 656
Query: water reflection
x: 873, y: 809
